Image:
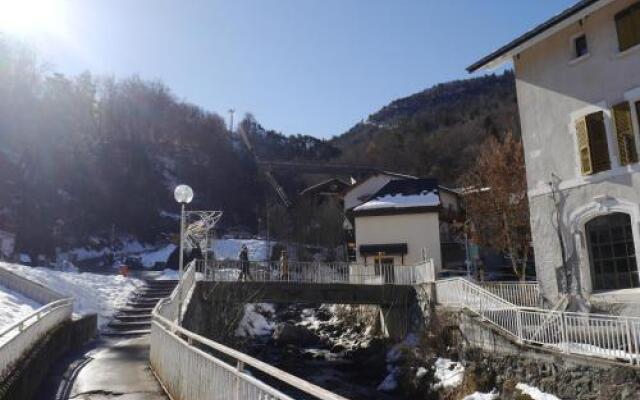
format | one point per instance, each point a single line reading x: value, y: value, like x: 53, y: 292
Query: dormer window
x: 580, y: 47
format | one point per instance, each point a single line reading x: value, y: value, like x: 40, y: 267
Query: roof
x: 403, y: 196
x: 332, y: 185
x: 577, y: 11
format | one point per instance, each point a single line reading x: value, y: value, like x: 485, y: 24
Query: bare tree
x: 496, y: 201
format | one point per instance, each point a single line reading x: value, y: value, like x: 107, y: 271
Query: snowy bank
x: 93, y: 293
x: 254, y: 321
x: 228, y: 249
x: 534, y: 392
x: 14, y: 307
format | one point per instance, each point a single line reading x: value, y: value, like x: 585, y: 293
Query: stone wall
x: 497, y: 361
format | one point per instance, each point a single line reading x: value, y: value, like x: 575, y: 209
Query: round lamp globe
x: 183, y: 194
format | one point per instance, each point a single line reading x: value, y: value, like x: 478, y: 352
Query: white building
x: 400, y: 223
x: 578, y: 84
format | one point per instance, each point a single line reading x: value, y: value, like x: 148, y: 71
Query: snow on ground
x: 168, y: 275
x: 228, y: 249
x: 93, y: 293
x: 390, y: 382
x: 14, y: 307
x: 254, y: 323
x: 534, y: 392
x: 448, y: 373
x: 159, y: 255
x: 493, y: 395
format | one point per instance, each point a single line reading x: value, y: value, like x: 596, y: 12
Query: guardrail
x: 192, y: 367
x: 595, y: 335
x: 312, y: 272
x: 21, y: 336
x: 525, y: 294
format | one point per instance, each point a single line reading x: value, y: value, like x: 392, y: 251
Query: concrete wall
x: 24, y: 381
x: 417, y: 230
x: 553, y: 91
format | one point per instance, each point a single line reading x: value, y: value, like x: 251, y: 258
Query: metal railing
x: 525, y: 294
x: 596, y: 335
x: 317, y: 272
x: 192, y: 367
x: 18, y: 338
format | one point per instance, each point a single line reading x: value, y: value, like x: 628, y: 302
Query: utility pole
x: 231, y: 112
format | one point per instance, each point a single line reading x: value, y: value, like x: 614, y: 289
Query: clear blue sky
x: 300, y: 66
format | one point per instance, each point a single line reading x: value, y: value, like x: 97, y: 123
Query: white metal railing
x: 596, y: 335
x: 525, y: 294
x: 19, y: 337
x: 192, y: 367
x: 317, y: 272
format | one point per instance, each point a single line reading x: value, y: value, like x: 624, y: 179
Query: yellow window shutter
x: 624, y: 26
x: 624, y: 133
x: 583, y: 146
x: 598, y: 145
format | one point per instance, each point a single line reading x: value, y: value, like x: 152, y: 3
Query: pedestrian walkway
x: 118, y: 371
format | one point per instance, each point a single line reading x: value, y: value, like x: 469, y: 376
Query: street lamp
x: 183, y: 195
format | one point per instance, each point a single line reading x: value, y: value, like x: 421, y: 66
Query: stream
x: 332, y: 346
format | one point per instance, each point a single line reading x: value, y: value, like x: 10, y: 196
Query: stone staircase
x: 135, y: 318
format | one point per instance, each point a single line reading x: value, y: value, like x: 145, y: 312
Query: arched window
x: 612, y: 252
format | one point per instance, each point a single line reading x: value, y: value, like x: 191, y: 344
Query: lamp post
x: 183, y: 195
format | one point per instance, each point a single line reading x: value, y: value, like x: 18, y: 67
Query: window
x: 624, y: 133
x: 612, y: 252
x: 628, y: 27
x: 592, y: 144
x: 580, y: 47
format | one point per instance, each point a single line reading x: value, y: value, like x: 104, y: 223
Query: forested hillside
x: 436, y: 132
x: 83, y: 156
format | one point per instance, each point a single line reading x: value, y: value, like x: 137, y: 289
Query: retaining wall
x: 33, y: 368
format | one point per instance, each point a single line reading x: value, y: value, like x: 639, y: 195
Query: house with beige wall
x: 400, y: 224
x: 578, y: 85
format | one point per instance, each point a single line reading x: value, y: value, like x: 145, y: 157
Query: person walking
x: 243, y: 256
x: 284, y: 265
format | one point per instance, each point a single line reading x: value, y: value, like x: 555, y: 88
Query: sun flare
x: 25, y: 17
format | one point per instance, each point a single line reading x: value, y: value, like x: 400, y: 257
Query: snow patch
x: 534, y: 392
x: 14, y: 307
x: 254, y: 321
x: 448, y: 373
x: 168, y: 275
x: 424, y: 199
x: 493, y: 395
x: 228, y: 249
x: 162, y: 254
x: 93, y: 293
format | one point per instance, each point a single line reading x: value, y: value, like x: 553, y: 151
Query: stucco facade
x: 418, y: 230
x: 554, y: 90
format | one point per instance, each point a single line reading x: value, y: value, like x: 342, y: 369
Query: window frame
x: 574, y: 41
x: 603, y: 107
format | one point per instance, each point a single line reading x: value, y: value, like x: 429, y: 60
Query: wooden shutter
x: 598, y: 142
x: 628, y: 27
x: 624, y: 133
x: 583, y: 146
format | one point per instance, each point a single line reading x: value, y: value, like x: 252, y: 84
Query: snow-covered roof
x: 404, y: 194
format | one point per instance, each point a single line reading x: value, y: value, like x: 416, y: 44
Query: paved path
x: 118, y: 371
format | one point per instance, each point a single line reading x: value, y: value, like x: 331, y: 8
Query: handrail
x: 247, y: 360
x: 317, y: 272
x: 595, y: 335
x: 17, y: 338
x: 167, y: 360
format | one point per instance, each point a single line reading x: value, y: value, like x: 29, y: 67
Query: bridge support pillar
x: 394, y: 322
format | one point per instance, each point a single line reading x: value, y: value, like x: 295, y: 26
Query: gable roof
x: 559, y: 21
x: 332, y: 185
x: 403, y: 196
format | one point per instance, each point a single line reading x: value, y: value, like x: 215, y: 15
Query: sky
x: 314, y: 67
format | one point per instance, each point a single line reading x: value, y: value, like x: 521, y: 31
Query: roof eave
x: 536, y: 35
